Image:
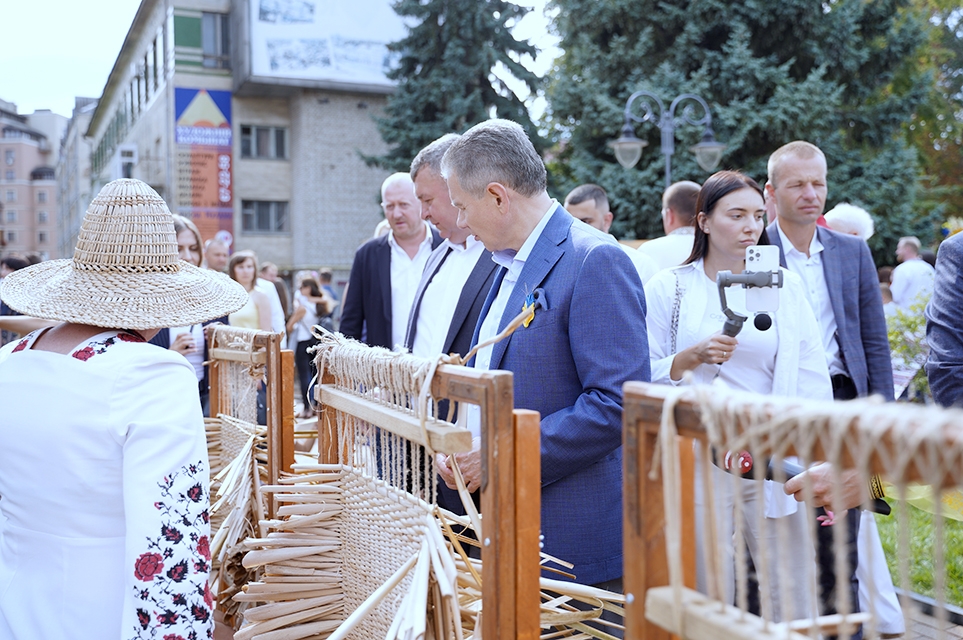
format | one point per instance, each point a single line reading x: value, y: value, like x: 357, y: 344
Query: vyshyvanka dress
x: 104, y: 525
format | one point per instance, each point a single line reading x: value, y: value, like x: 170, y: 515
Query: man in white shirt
x: 590, y: 204
x: 843, y: 290
x: 581, y: 291
x: 216, y: 255
x: 678, y: 220
x: 459, y: 271
x: 387, y: 269
x: 912, y: 280
x: 453, y: 286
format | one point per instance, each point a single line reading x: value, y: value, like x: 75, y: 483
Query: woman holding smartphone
x: 685, y: 320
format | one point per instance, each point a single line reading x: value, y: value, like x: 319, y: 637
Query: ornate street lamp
x: 628, y: 148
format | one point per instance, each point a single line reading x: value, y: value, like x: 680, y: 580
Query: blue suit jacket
x: 853, y: 285
x: 944, y: 326
x: 587, y: 338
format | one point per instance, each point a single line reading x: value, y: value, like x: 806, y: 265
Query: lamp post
x: 628, y: 148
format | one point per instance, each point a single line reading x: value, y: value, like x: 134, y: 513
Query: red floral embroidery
x: 176, y: 602
x: 147, y: 566
x: 21, y: 345
x: 84, y: 354
x: 204, y: 548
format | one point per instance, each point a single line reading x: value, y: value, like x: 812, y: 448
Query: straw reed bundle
x: 237, y: 453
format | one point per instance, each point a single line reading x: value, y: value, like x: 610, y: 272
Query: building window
x: 10, y: 175
x: 41, y: 196
x: 42, y: 217
x: 11, y: 196
x: 11, y: 216
x: 216, y: 40
x: 11, y: 236
x: 42, y: 237
x: 264, y: 142
x: 260, y: 216
x: 9, y: 156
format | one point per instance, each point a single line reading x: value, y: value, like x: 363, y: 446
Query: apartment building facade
x: 251, y: 117
x: 29, y: 151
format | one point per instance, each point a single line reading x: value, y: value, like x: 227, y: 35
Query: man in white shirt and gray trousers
x: 842, y: 287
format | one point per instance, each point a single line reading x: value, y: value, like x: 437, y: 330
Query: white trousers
x: 781, y: 548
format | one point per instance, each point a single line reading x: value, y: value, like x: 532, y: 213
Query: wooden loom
x: 903, y: 444
x: 511, y: 483
x: 316, y: 580
x: 257, y: 349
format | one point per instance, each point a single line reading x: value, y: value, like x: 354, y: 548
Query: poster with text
x: 204, y: 159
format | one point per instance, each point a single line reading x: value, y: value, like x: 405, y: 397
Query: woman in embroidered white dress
x: 104, y: 524
x: 684, y: 318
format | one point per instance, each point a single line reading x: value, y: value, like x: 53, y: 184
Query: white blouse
x: 104, y: 516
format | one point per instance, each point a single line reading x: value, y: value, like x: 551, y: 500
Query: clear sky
x: 54, y: 50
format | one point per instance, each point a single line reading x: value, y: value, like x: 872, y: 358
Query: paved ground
x: 926, y: 628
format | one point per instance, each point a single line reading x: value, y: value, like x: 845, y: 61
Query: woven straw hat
x: 125, y: 273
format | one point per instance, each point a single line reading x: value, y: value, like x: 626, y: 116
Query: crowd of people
x: 472, y: 239
x: 594, y: 311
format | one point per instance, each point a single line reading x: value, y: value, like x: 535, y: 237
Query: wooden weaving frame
x: 279, y: 398
x: 510, y: 486
x: 646, y: 561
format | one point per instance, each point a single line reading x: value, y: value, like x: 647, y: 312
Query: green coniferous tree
x: 840, y: 74
x: 445, y: 74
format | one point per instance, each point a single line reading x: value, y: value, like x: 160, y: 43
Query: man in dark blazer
x: 843, y: 290
x: 944, y: 327
x: 454, y: 284
x: 386, y: 270
x: 460, y: 264
x: 575, y: 280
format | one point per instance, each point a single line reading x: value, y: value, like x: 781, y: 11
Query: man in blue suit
x: 843, y: 290
x: 586, y: 338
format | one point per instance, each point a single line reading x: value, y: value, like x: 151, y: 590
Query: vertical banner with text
x: 202, y: 120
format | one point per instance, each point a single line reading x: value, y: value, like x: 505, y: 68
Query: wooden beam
x: 444, y: 438
x: 499, y: 543
x: 274, y: 400
x: 643, y: 539
x: 327, y: 422
x: 287, y: 410
x: 528, y: 500
x: 650, y: 397
x: 705, y: 619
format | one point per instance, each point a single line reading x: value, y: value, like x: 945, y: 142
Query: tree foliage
x: 843, y: 74
x: 445, y: 74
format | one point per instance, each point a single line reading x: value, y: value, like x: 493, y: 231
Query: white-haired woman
x: 104, y: 522
x: 850, y: 219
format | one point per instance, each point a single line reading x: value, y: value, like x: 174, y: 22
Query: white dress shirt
x: 441, y: 296
x: 277, y: 311
x: 912, y: 282
x: 810, y: 269
x: 671, y: 250
x: 405, y: 276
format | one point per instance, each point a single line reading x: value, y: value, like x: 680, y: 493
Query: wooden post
x: 327, y: 423
x: 528, y: 500
x: 287, y: 409
x: 274, y: 400
x: 643, y: 526
x: 499, y: 544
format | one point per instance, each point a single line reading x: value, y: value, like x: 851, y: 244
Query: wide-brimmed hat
x: 125, y: 273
